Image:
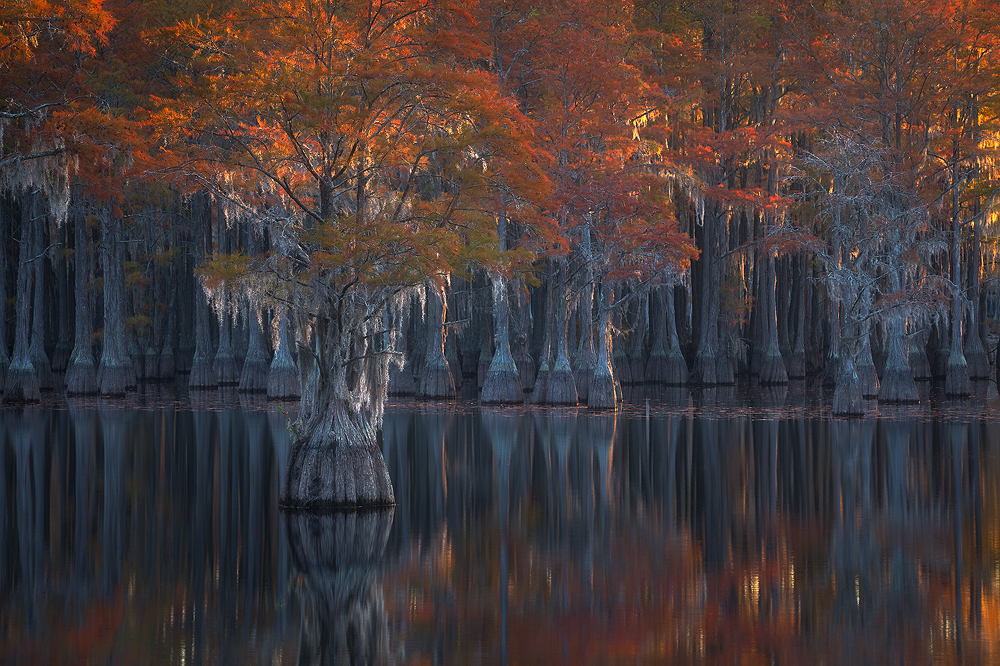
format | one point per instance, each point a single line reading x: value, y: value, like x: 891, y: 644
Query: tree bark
x: 283, y: 377
x: 605, y: 392
x: 81, y: 375
x: 21, y: 384
x: 561, y: 389
x: 503, y: 381
x: 436, y: 380
x: 116, y: 374
x: 39, y: 359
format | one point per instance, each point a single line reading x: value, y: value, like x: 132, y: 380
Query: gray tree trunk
x: 116, y: 374
x: 81, y: 375
x: 21, y: 384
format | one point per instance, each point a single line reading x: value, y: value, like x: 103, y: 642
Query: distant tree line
x: 340, y: 200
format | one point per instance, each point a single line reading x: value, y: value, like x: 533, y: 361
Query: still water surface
x: 719, y: 526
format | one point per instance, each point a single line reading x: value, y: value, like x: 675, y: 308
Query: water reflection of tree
x: 714, y: 538
x: 343, y: 618
x: 140, y: 531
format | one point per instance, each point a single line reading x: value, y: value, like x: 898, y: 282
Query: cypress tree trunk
x: 64, y: 343
x: 797, y: 360
x: 637, y: 342
x: 772, y: 366
x: 81, y: 375
x: 865, y: 366
x: 503, y: 382
x: 256, y: 367
x: 336, y: 461
x: 919, y: 363
x: 897, y: 383
x: 21, y: 384
x: 561, y: 388
x: 710, y: 367
x: 666, y: 362
x: 401, y: 369
x: 39, y: 359
x: 975, y: 352
x: 283, y: 377
x: 956, y: 381
x: 116, y: 373
x: 5, y: 233
x: 202, y: 375
x: 605, y: 391
x: 436, y: 380
x: 226, y: 366
x: 584, y: 362
x: 539, y: 393
x: 522, y: 337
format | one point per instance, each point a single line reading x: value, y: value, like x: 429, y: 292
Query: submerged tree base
x: 337, y: 476
x: 502, y: 385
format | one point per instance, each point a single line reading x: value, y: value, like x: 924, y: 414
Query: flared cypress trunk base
x: 168, y: 367
x: 526, y: 368
x: 113, y: 380
x: 583, y: 376
x: 227, y: 370
x: 848, y: 399
x: 43, y: 370
x: 605, y: 393
x: 253, y: 378
x: 898, y: 386
x: 868, y: 381
x: 436, y: 381
x: 541, y: 385
x: 152, y: 361
x: 21, y: 385
x: 976, y: 358
x: 283, y: 382
x: 919, y: 364
x: 202, y: 376
x: 797, y: 364
x: 485, y: 361
x: 669, y: 369
x: 713, y: 370
x: 401, y: 379
x: 772, y: 369
x: 561, y: 388
x: 637, y: 370
x: 60, y: 357
x: 502, y: 386
x: 337, y: 475
x: 956, y: 380
x: 81, y: 378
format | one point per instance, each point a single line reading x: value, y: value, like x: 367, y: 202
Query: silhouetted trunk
x: 604, y: 389
x: 202, y: 374
x: 39, y: 359
x: 81, y: 375
x: 116, y: 373
x: 666, y: 362
x: 21, y: 384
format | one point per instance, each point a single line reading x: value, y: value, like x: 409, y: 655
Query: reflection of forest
x: 558, y: 536
x: 142, y: 537
x: 703, y: 534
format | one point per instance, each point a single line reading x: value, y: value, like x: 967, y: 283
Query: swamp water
x: 722, y: 526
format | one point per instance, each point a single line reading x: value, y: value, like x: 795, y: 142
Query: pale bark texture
x: 561, y: 389
x: 503, y: 381
x: 257, y: 364
x: 897, y: 383
x: 605, y: 392
x: 435, y: 376
x: 283, y: 377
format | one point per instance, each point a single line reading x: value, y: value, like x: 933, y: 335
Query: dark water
x: 715, y: 527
